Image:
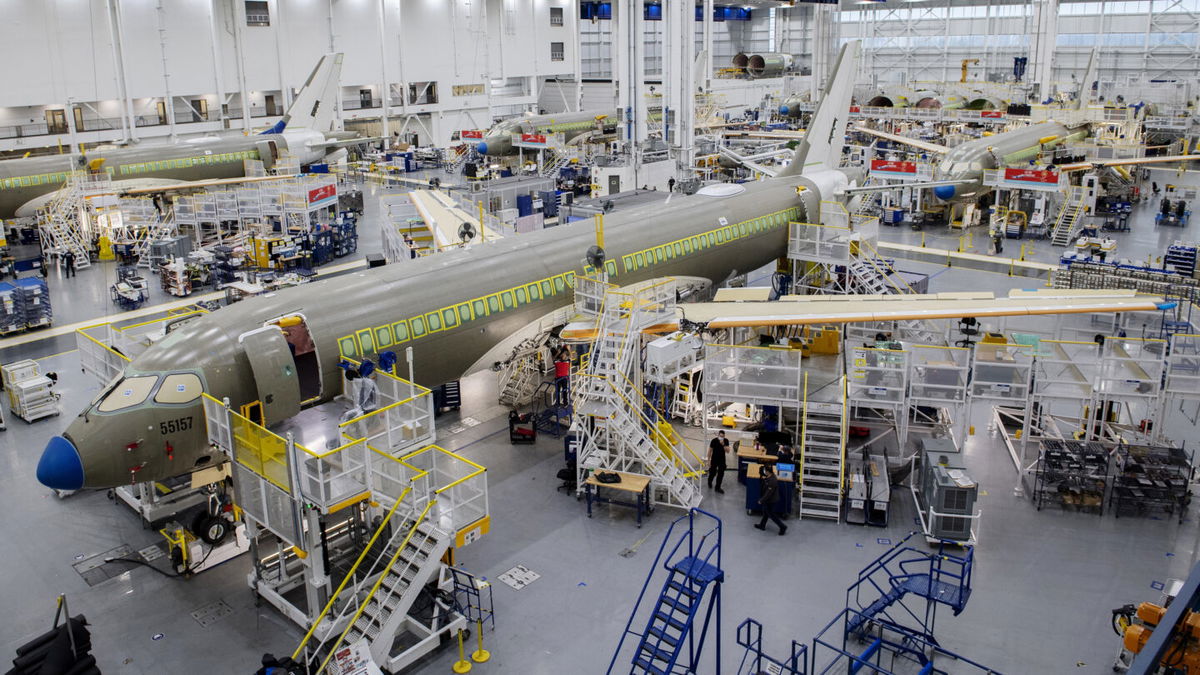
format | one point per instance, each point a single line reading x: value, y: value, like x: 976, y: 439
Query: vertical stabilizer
x: 316, y: 101
x: 822, y: 145
x: 1089, y: 78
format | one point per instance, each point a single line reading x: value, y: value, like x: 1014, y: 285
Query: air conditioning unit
x: 947, y: 489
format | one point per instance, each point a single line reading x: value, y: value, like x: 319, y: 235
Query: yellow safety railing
x: 362, y: 606
x: 887, y: 277
x: 803, y: 425
x: 349, y: 575
x: 1074, y: 200
x: 665, y: 432
x: 110, y: 350
x: 845, y: 429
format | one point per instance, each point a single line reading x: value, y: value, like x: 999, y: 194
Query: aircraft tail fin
x: 316, y: 102
x: 1089, y: 77
x: 826, y: 136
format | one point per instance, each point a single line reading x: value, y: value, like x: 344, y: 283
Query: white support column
x: 215, y: 43
x: 1045, y: 34
x: 277, y: 27
x: 238, y: 16
x: 823, y: 42
x: 620, y: 55
x: 160, y: 14
x: 679, y: 78
x: 385, y: 89
x: 572, y: 22
x: 708, y: 45
x: 117, y: 33
x: 637, y: 76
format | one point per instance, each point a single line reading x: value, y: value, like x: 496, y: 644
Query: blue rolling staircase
x: 757, y: 662
x: 905, y: 573
x: 548, y: 416
x: 670, y: 643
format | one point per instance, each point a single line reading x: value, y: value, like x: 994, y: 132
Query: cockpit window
x: 128, y: 393
x: 179, y: 388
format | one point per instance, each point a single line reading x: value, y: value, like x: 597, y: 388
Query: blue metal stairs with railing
x: 670, y: 643
x: 548, y: 416
x: 937, y: 578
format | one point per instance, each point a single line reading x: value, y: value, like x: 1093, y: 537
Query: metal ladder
x: 822, y: 460
x: 619, y: 427
x: 1072, y: 209
x: 59, y: 224
x: 161, y: 227
x: 557, y: 162
x: 683, y: 402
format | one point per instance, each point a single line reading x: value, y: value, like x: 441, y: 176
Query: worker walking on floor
x: 716, y: 460
x: 69, y: 263
x: 769, y: 501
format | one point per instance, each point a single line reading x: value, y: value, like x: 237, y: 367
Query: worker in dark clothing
x: 1165, y: 206
x: 69, y: 263
x: 1180, y: 208
x: 769, y: 501
x: 670, y: 185
x: 716, y: 460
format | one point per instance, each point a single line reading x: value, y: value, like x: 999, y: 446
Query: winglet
x: 822, y: 145
x: 1089, y: 76
x: 316, y: 102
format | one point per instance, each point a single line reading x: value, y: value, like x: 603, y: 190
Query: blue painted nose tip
x: 60, y: 466
x: 783, y: 109
x: 944, y: 192
x: 482, y: 148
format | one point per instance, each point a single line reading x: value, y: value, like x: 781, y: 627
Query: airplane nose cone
x: 60, y: 466
x: 482, y: 148
x: 783, y: 110
x: 944, y: 192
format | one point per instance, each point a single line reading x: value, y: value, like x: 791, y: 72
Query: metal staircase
x: 904, y: 587
x: 684, y: 403
x: 59, y: 223
x: 557, y: 161
x: 521, y: 374
x: 160, y: 227
x: 1068, y: 217
x: 670, y: 643
x: 822, y: 459
x: 376, y: 607
x: 872, y: 276
x: 620, y: 429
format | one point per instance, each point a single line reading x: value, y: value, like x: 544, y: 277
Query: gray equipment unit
x: 170, y: 247
x: 947, y: 490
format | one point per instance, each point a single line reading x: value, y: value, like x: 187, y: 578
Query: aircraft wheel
x: 214, y: 531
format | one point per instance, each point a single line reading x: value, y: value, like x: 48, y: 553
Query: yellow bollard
x: 971, y: 430
x: 480, y: 655
x: 462, y: 665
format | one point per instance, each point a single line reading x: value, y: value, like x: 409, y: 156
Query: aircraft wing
x: 144, y: 186
x: 818, y: 310
x: 897, y: 186
x: 346, y: 142
x: 921, y: 145
x: 1083, y: 166
x: 770, y: 171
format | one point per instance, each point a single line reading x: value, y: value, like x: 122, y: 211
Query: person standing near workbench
x: 769, y: 501
x: 716, y: 459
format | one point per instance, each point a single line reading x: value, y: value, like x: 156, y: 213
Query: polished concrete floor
x: 1044, y: 583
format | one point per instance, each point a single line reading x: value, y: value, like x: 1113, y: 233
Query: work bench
x: 631, y: 483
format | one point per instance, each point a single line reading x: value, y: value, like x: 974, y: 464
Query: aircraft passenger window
x: 547, y: 289
x: 742, y: 229
x: 721, y: 236
x: 678, y: 249
x: 417, y: 324
x: 400, y: 331
x: 687, y: 246
x: 367, y: 341
x: 128, y: 393
x: 348, y: 347
x: 464, y: 312
x: 570, y: 279
x: 520, y: 295
x: 480, y: 307
x: 507, y: 298
x: 179, y: 388
x: 449, y: 318
x: 433, y: 322
x: 383, y: 337
x: 611, y: 267
x: 639, y: 260
x: 534, y: 292
x: 493, y: 303
x: 658, y: 254
x: 559, y: 285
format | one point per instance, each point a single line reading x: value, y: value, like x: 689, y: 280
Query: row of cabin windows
x: 186, y: 162
x: 368, y: 341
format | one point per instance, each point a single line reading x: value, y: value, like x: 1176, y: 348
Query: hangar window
x: 129, y: 392
x: 257, y: 13
x: 179, y: 388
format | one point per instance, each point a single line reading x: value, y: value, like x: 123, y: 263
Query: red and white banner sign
x: 994, y: 114
x: 533, y: 139
x: 471, y: 133
x: 1031, y: 176
x: 322, y: 193
x: 855, y: 109
x: 888, y: 166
